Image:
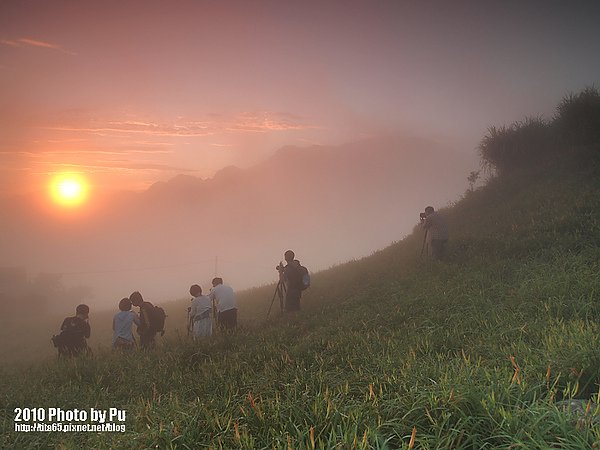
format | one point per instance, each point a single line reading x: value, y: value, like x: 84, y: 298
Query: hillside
x: 384, y: 344
x: 482, y: 350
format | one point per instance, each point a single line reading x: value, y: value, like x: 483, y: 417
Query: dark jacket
x: 145, y: 317
x: 74, y: 332
x: 293, y: 276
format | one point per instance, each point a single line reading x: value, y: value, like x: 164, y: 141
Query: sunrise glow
x: 69, y: 190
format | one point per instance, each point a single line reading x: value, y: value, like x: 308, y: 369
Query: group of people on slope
x: 148, y: 325
x: 221, y: 299
x: 75, y: 330
x: 219, y: 304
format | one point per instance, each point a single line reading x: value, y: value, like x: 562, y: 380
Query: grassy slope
x: 383, y: 345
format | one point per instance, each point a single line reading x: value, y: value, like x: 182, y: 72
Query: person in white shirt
x: 200, y: 313
x: 122, y: 326
x: 224, y: 299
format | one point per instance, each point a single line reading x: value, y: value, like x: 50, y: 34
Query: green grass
x: 383, y: 344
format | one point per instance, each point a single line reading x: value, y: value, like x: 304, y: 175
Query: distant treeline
x: 36, y: 295
x: 574, y: 129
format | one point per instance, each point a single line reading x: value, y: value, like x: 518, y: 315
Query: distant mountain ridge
x: 408, y: 161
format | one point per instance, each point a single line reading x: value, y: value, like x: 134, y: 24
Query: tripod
x: 190, y: 323
x: 424, y: 240
x: 280, y: 291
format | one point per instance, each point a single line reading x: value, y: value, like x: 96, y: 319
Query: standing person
x: 200, y: 313
x: 145, y: 329
x: 437, y: 232
x: 292, y: 276
x: 73, y: 333
x: 224, y: 299
x: 122, y: 326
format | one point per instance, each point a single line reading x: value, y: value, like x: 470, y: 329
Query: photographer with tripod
x: 292, y: 277
x: 436, y: 233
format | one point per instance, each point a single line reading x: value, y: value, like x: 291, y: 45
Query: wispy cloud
x: 110, y: 166
x: 214, y: 124
x: 28, y: 42
x: 84, y: 152
x: 221, y: 145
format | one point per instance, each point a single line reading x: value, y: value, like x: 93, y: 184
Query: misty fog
x: 328, y: 204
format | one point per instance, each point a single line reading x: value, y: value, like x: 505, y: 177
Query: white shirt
x: 200, y: 305
x: 224, y: 296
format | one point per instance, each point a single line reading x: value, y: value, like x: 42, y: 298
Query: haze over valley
x: 328, y: 203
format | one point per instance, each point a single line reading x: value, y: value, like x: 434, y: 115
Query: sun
x: 68, y: 189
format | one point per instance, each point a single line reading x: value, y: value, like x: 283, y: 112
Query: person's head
x: 82, y: 311
x: 289, y: 256
x: 195, y: 290
x: 429, y: 210
x: 125, y: 304
x: 217, y: 281
x: 136, y: 298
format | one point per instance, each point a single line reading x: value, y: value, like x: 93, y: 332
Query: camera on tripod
x: 280, y: 268
x: 422, y: 216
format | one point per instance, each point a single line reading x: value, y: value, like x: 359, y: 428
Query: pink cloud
x: 242, y: 123
x: 111, y: 166
x: 27, y: 42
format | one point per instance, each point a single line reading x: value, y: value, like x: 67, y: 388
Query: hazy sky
x: 132, y: 92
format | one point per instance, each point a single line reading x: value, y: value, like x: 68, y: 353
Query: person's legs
x: 228, y: 319
x: 147, y: 340
x: 438, y: 248
x: 292, y: 300
x: 122, y: 344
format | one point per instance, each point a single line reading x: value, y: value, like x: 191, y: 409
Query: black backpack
x: 157, y: 318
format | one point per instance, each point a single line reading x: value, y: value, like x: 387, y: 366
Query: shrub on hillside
x: 577, y: 120
x: 521, y: 144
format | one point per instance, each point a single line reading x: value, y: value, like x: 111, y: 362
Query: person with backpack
x: 73, y: 333
x: 151, y: 320
x: 296, y: 280
x: 122, y: 324
x: 200, y: 314
x: 224, y: 299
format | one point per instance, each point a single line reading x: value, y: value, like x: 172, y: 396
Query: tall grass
x: 533, y: 142
x: 577, y: 118
x: 524, y: 143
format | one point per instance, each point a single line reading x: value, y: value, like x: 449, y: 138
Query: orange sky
x: 130, y: 93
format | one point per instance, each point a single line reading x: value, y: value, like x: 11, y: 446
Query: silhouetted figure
x: 122, y: 326
x: 292, y: 276
x: 200, y: 313
x: 73, y: 333
x: 437, y: 233
x: 224, y: 299
x: 145, y: 329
